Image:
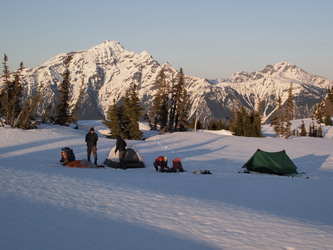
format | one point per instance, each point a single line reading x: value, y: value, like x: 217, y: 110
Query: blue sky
x: 207, y: 38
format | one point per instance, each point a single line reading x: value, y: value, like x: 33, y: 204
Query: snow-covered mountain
x: 105, y: 71
x: 274, y: 81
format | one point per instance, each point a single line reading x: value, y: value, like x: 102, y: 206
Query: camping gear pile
x: 161, y: 165
x: 68, y: 160
x: 199, y: 171
x: 277, y: 163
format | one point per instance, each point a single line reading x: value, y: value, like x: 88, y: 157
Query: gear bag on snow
x: 67, y: 155
x: 177, y: 165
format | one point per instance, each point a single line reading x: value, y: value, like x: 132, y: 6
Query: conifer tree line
x: 323, y: 113
x: 314, y: 130
x: 246, y: 123
x: 19, y: 112
x: 13, y: 110
x: 170, y: 107
x: 168, y: 113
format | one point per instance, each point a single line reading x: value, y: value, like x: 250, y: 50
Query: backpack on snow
x: 177, y: 165
x: 67, y: 155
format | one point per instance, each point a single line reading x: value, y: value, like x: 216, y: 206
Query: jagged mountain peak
x: 113, y: 45
x: 284, y: 64
x: 281, y: 69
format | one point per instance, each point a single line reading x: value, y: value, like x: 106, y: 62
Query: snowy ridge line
x: 215, y: 221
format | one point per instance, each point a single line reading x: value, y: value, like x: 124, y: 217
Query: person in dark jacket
x: 91, y: 140
x: 121, y: 146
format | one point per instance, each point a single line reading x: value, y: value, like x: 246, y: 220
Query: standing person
x: 91, y: 140
x: 121, y: 146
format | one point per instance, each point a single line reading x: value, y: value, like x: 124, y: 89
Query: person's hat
x: 92, y: 129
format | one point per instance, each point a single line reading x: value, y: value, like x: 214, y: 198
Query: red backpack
x: 177, y: 165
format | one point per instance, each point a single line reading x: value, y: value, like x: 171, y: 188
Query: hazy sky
x: 207, y: 38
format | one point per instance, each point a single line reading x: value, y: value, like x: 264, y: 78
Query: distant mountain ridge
x: 105, y: 71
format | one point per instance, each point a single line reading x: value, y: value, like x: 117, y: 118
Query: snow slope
x: 47, y: 206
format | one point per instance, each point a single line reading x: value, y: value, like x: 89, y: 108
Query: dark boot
x: 89, y: 158
x: 95, y: 161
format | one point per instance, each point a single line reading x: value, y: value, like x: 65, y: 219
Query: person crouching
x: 161, y: 164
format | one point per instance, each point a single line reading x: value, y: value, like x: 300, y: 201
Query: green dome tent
x: 271, y: 163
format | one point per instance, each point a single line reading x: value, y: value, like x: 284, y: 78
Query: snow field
x: 45, y: 205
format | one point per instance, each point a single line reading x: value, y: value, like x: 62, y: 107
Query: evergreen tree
x: 170, y: 106
x: 220, y: 125
x: 172, y: 109
x: 62, y: 111
x: 328, y: 107
x: 17, y: 96
x: 277, y: 121
x: 11, y: 95
x: 5, y: 94
x: 182, y: 110
x: 124, y: 119
x: 246, y: 124
x: 288, y: 112
x: 237, y: 123
x: 46, y: 114
x: 303, y: 129
x: 132, y: 114
x: 258, y: 120
x: 27, y: 118
x: 319, y: 131
x: 159, y: 108
x: 319, y: 114
x: 212, y: 125
x: 254, y: 124
x: 313, y: 132
x: 257, y: 126
x: 113, y: 121
x: 324, y: 111
x: 178, y: 114
x: 328, y: 120
x: 215, y: 125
